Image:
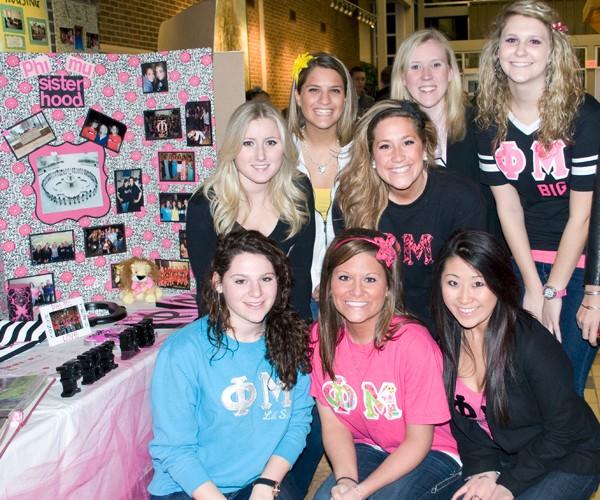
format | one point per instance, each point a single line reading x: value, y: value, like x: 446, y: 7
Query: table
x: 91, y: 446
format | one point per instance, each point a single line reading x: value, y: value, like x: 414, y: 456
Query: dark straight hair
x: 483, y: 253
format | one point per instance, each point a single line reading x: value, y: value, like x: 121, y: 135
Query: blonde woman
x: 321, y: 117
x: 538, y: 151
x: 255, y: 186
x: 392, y: 185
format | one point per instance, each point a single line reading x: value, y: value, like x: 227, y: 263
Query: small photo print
x: 115, y: 275
x: 161, y: 124
x: 38, y: 31
x: 104, y: 240
x: 103, y: 130
x: 183, y: 251
x: 42, y: 287
x: 67, y: 36
x: 20, y: 307
x: 174, y: 274
x: 49, y: 248
x: 65, y: 321
x: 92, y: 42
x: 14, y: 42
x: 12, y: 18
x: 173, y: 206
x: 176, y: 166
x: 155, y: 77
x: 28, y: 135
x: 198, y: 123
x: 78, y: 38
x: 130, y: 197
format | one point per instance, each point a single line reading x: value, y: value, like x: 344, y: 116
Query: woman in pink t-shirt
x: 377, y: 379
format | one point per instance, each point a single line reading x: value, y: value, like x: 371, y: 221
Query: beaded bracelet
x: 590, y: 308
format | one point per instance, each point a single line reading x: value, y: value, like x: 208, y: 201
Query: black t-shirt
x: 202, y: 239
x: 448, y: 203
x: 544, y: 180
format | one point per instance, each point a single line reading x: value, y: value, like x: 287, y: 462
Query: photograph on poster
x: 115, y: 275
x: 28, y: 135
x: 20, y: 307
x: 161, y: 124
x: 42, y: 287
x: 67, y: 36
x: 70, y: 182
x: 198, y: 123
x: 104, y: 240
x: 176, y: 166
x: 92, y: 41
x: 49, y: 248
x: 129, y: 194
x: 173, y: 206
x: 12, y: 18
x: 103, y: 130
x: 174, y: 274
x: 155, y: 77
x: 78, y: 37
x: 65, y: 321
x: 183, y: 251
x: 38, y: 31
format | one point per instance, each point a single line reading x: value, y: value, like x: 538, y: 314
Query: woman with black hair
x: 522, y: 430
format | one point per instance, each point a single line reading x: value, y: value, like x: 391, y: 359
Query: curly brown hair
x: 286, y: 336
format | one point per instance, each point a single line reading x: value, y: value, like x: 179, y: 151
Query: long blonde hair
x: 297, y: 121
x: 223, y: 189
x: 362, y: 196
x: 454, y: 98
x: 562, y: 95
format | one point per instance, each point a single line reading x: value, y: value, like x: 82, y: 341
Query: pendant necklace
x: 322, y: 167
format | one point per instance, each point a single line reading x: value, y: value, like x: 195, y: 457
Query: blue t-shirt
x: 220, y: 416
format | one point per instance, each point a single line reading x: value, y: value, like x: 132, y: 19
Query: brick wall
x: 285, y: 39
x: 135, y: 23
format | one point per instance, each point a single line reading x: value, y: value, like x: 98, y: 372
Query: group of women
x: 438, y: 247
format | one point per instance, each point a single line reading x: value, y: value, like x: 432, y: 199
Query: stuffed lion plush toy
x: 139, y: 280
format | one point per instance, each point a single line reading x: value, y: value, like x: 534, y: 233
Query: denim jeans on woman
x: 437, y: 477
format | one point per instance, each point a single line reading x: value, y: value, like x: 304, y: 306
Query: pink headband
x: 388, y: 248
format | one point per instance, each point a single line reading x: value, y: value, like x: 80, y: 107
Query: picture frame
x: 15, y: 43
x: 115, y: 275
x: 176, y: 166
x: 69, y: 182
x: 162, y: 124
x: 173, y: 273
x: 51, y: 248
x: 65, y: 321
x: 20, y: 307
x: 29, y: 135
x: 183, y: 250
x: 67, y: 36
x: 104, y: 240
x: 12, y: 19
x: 38, y: 31
x: 103, y: 130
x: 43, y: 288
x: 173, y: 206
x: 129, y: 193
x: 155, y: 77
x: 198, y: 123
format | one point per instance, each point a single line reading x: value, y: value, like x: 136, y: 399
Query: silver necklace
x: 322, y: 167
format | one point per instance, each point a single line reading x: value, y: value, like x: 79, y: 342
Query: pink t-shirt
x: 376, y: 393
x: 471, y: 404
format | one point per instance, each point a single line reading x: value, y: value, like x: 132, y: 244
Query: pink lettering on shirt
x: 549, y: 161
x: 421, y: 249
x: 510, y: 160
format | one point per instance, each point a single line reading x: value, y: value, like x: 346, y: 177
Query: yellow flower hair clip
x: 300, y: 63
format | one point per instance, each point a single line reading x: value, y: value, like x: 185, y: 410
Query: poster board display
x: 24, y: 26
x: 86, y: 153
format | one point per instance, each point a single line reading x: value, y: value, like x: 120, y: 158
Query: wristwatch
x: 269, y: 482
x: 552, y: 293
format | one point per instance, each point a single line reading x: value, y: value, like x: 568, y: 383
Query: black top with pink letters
x: 544, y: 179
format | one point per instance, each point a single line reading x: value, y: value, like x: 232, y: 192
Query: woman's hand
x: 346, y: 491
x: 588, y: 316
x: 551, y: 316
x: 478, y: 487
x: 501, y: 493
x: 262, y: 492
x: 533, y: 301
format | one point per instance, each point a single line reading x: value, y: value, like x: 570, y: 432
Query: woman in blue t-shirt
x: 230, y: 392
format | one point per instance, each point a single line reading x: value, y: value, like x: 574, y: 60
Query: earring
x: 373, y: 165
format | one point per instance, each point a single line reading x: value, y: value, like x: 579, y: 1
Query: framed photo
x: 162, y: 124
x: 92, y: 42
x: 20, y: 307
x: 64, y: 321
x: 78, y: 38
x: 42, y: 287
x: 103, y: 130
x: 12, y: 19
x: 104, y: 240
x: 115, y: 275
x: 173, y: 206
x: 198, y: 123
x: 14, y: 42
x: 49, y: 248
x: 28, y: 135
x: 38, y: 31
x: 174, y: 274
x: 183, y: 251
x: 70, y: 182
x: 176, y: 166
x: 155, y: 77
x: 67, y: 36
x: 129, y: 193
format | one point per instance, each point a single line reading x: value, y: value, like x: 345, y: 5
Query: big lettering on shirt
x: 343, y: 399
x: 511, y: 161
x: 239, y: 397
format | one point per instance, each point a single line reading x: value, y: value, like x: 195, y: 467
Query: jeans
x: 580, y: 353
x: 558, y: 485
x: 436, y: 477
x: 243, y: 494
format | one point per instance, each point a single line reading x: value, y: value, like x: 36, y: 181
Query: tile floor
x: 592, y: 396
